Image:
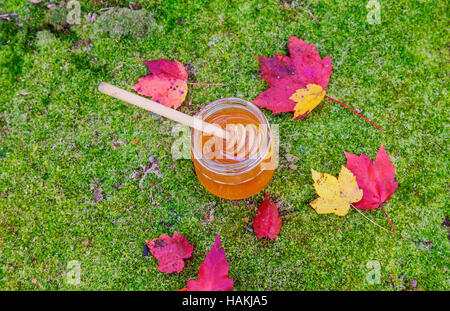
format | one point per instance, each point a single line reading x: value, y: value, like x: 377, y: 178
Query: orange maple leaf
x: 166, y: 85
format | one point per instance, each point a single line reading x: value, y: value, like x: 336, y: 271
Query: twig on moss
x: 7, y: 17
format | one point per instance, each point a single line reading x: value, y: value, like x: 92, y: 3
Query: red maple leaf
x: 286, y: 74
x: 166, y: 85
x: 267, y: 223
x: 375, y: 178
x: 213, y: 273
x: 170, y: 252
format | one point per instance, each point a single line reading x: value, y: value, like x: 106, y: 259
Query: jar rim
x: 237, y: 168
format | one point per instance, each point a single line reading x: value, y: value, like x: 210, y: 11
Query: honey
x: 241, y: 175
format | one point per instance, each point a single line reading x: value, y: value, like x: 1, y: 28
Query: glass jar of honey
x: 234, y: 175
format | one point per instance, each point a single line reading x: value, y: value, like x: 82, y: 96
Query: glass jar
x: 229, y: 178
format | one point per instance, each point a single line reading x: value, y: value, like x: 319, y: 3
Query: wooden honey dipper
x: 241, y: 141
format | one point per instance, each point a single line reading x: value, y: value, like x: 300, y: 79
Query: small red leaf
x: 267, y: 222
x: 170, y: 252
x: 213, y: 273
x: 375, y: 178
x: 166, y: 85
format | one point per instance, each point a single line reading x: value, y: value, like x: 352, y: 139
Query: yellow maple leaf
x: 307, y: 99
x: 335, y: 195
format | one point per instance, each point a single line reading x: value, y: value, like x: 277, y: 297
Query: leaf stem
x: 361, y: 116
x: 264, y: 242
x: 392, y: 225
x: 195, y: 83
x: 370, y: 219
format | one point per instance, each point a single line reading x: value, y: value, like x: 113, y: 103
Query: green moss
x: 62, y: 136
x: 57, y: 16
x: 120, y: 22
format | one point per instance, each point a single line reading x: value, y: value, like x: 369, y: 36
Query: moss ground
x: 58, y: 135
